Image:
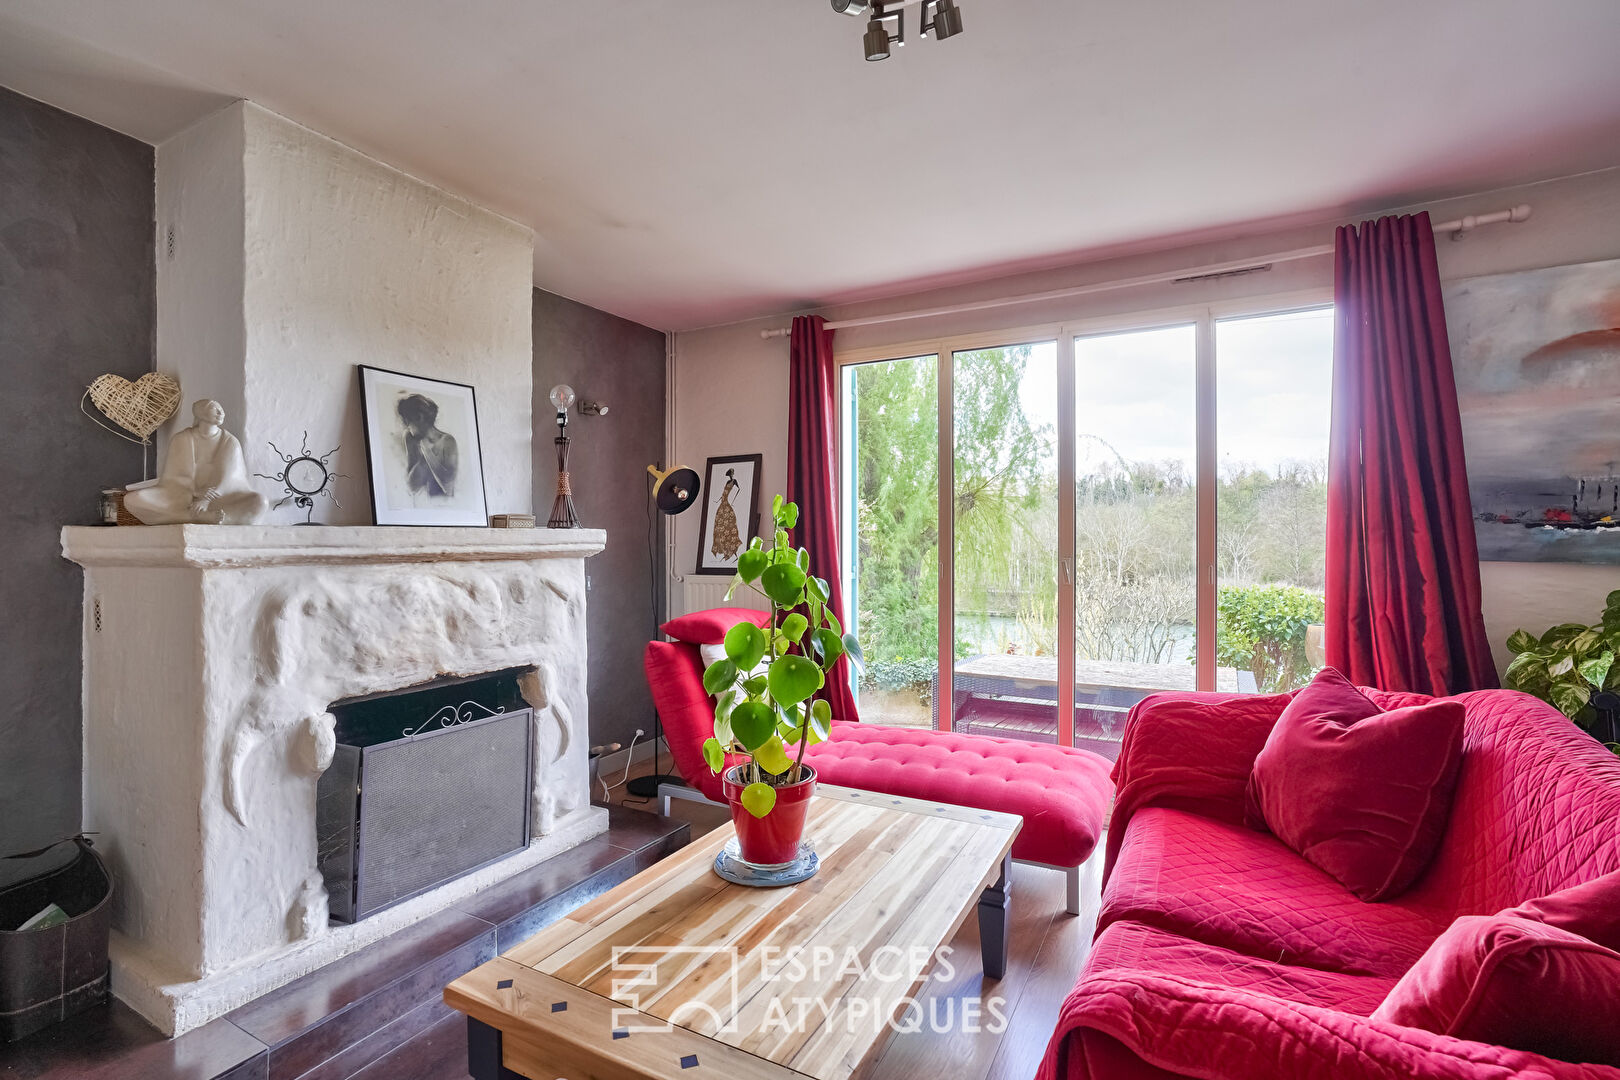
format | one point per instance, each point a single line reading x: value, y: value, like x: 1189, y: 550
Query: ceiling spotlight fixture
x: 876, y: 40
x: 947, y: 20
x: 941, y: 18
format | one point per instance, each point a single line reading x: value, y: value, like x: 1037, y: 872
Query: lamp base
x: 646, y: 787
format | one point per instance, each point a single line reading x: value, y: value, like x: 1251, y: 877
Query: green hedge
x: 1261, y: 628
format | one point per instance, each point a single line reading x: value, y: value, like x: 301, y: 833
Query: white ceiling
x: 689, y: 162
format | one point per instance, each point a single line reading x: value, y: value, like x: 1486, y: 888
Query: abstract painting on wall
x: 1537, y: 357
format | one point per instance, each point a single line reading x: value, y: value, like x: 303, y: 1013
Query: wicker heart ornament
x: 139, y: 407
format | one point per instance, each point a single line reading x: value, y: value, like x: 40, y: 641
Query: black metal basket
x: 51, y: 974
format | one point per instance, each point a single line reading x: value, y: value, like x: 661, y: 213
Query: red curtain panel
x: 1403, y: 593
x: 813, y: 475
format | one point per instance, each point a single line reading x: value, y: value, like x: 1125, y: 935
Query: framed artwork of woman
x: 730, y: 512
x: 423, y: 450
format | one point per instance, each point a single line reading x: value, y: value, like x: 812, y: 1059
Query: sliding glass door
x: 1004, y: 528
x: 1136, y: 516
x: 891, y: 534
x: 1274, y: 392
x: 1042, y: 529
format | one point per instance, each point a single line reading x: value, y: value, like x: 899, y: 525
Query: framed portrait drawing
x: 427, y: 467
x: 730, y: 512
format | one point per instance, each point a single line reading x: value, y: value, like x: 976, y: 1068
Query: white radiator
x: 695, y: 593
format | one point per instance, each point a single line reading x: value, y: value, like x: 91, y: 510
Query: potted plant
x: 1572, y: 666
x: 766, y: 714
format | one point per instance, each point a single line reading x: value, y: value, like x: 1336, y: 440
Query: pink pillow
x: 1590, y: 909
x: 709, y: 627
x: 1514, y: 982
x: 1360, y: 793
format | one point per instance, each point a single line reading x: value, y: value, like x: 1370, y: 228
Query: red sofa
x: 1221, y: 953
x: 1061, y: 793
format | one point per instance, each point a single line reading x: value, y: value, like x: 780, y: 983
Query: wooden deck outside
x: 1039, y: 671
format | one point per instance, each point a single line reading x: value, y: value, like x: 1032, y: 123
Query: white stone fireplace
x: 211, y: 656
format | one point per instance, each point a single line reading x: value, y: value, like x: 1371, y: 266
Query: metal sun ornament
x: 305, y: 476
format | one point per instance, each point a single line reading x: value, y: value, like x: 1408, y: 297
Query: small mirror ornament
x: 305, y: 477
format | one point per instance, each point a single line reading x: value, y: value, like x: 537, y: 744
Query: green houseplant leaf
x: 745, y: 645
x: 1570, y: 698
x: 772, y: 757
x: 1521, y: 641
x: 753, y: 723
x: 758, y: 799
x: 793, y: 678
x: 783, y: 583
x: 719, y: 675
x: 714, y: 755
x: 752, y: 563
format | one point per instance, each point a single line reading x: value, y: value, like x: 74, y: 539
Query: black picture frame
x: 471, y: 510
x: 745, y: 519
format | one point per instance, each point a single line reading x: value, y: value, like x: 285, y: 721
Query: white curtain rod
x: 1455, y: 228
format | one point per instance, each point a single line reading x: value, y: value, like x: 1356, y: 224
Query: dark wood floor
x: 1048, y: 947
x: 428, y: 1043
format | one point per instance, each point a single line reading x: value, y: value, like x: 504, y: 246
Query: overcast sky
x: 1135, y: 390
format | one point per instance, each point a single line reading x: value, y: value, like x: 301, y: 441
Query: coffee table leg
x: 484, y: 1053
x: 994, y: 926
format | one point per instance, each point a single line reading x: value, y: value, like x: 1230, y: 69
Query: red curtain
x: 812, y: 475
x: 1403, y: 594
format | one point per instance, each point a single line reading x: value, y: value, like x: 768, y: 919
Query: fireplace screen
x: 420, y: 793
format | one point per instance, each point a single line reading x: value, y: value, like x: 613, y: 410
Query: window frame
x: 1203, y: 316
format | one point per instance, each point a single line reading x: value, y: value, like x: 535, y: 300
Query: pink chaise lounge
x: 1222, y: 953
x: 1061, y: 793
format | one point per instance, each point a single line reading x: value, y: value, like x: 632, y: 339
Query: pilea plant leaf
x: 820, y: 721
x: 745, y: 645
x: 758, y: 799
x: 792, y: 679
x: 817, y: 589
x: 714, y: 755
x: 831, y: 647
x: 783, y: 583
x: 753, y: 723
x: 852, y: 649
x: 719, y: 675
x: 772, y: 757
x: 752, y: 563
x: 794, y: 626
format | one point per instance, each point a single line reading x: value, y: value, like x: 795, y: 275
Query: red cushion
x: 710, y: 627
x: 1224, y: 885
x: 1361, y: 793
x: 1591, y: 909
x: 1514, y: 982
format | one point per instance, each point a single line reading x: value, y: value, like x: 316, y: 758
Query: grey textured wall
x: 76, y: 300
x: 621, y: 363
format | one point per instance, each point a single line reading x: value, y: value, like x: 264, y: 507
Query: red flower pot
x: 773, y: 840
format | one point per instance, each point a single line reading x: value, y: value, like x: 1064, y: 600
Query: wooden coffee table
x: 678, y: 974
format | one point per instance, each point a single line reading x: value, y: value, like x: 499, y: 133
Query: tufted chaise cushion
x: 1061, y: 793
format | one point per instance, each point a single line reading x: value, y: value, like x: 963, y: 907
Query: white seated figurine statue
x: 204, y: 479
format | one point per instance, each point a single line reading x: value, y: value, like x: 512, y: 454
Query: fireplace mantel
x: 223, y: 547
x: 212, y: 655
